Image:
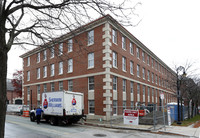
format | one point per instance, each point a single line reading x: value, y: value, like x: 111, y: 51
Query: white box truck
x: 61, y: 107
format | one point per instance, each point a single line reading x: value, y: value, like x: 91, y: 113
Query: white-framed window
x: 131, y: 67
x: 45, y: 55
x: 131, y: 86
x: 38, y: 73
x: 91, y: 60
x: 91, y: 37
x: 148, y: 91
x: 148, y: 59
x: 44, y: 71
x: 52, y: 86
x: 156, y: 79
x: 38, y: 57
x: 28, y: 90
x: 114, y: 83
x: 152, y: 62
x: 52, y: 52
x: 152, y: 92
x: 45, y: 87
x: 60, y: 85
x: 156, y: 65
x: 148, y: 75
x: 159, y: 81
x: 115, y: 107
x: 70, y: 45
x: 114, y: 36
x: 138, y: 70
x: 123, y: 43
x: 123, y: 63
x: 52, y: 69
x: 144, y: 90
x: 124, y: 105
x: 28, y: 61
x: 28, y: 75
x: 60, y: 49
x: 91, y: 83
x: 124, y: 85
x: 152, y: 77
x: 38, y: 89
x: 138, y: 89
x: 91, y: 107
x: 70, y: 65
x: 143, y: 73
x: 61, y: 67
x: 138, y: 52
x: 143, y: 56
x: 114, y: 59
x: 70, y: 85
x: 131, y: 49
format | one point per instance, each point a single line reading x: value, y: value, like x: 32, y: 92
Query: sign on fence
x: 131, y: 117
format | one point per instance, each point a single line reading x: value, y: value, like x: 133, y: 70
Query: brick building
x: 102, y: 60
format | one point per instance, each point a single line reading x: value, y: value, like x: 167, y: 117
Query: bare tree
x: 36, y: 22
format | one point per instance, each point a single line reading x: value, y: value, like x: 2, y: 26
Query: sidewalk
x: 175, y: 130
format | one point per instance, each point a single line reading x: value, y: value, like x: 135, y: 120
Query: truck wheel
x: 53, y: 121
x: 32, y: 117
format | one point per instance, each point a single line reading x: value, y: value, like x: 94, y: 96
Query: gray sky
x: 169, y: 28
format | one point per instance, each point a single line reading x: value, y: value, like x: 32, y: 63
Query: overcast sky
x: 169, y: 28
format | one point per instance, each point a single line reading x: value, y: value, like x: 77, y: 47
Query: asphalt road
x: 20, y: 127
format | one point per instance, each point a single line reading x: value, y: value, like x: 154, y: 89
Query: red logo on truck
x: 45, y: 103
x: 73, y: 100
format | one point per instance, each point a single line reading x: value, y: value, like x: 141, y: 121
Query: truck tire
x: 53, y: 121
x: 32, y: 117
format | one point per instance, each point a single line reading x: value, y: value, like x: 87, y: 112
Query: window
x: 70, y: 45
x: 38, y: 57
x: 159, y: 81
x: 124, y: 85
x: 28, y: 90
x: 152, y: 92
x: 52, y: 69
x: 148, y: 59
x: 70, y: 85
x: 148, y: 75
x: 156, y: 65
x: 60, y: 52
x: 143, y: 58
x: 123, y: 63
x: 45, y: 55
x: 114, y: 36
x: 114, y: 83
x: 38, y: 89
x: 131, y: 48
x: 152, y: 63
x: 52, y: 52
x: 91, y: 37
x: 131, y: 85
x: 38, y: 73
x: 143, y: 73
x: 143, y: 90
x: 52, y: 87
x: 138, y: 70
x: 28, y: 61
x: 132, y: 105
x: 91, y: 60
x: 115, y: 107
x: 156, y: 79
x: 115, y: 59
x: 70, y: 65
x: 138, y: 52
x: 91, y: 107
x: 44, y: 71
x: 124, y: 105
x: 45, y: 87
x: 123, y: 43
x: 131, y: 67
x: 60, y: 67
x: 60, y: 85
x: 91, y: 83
x: 28, y: 75
x: 152, y: 77
x: 138, y: 89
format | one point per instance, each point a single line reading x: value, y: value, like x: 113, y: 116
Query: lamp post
x: 178, y: 89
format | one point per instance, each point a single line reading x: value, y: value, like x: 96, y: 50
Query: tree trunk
x: 192, y: 114
x: 188, y: 109
x: 3, y: 88
x: 181, y: 109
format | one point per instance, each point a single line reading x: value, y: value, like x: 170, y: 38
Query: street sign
x: 162, y: 96
x: 131, y: 117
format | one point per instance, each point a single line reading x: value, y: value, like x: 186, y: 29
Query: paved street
x: 21, y: 127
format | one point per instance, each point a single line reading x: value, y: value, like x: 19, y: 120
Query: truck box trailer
x: 61, y: 107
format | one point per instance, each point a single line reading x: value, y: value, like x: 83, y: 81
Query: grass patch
x: 188, y: 122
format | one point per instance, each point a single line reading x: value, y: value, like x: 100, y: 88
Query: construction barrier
x: 25, y: 113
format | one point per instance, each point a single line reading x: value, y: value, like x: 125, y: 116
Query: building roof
x: 9, y: 85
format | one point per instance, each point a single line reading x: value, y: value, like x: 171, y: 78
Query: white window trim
x: 60, y: 73
x: 68, y: 69
x: 60, y: 49
x: 52, y: 65
x: 70, y: 44
x: 89, y: 44
x: 90, y: 67
x: 44, y: 70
